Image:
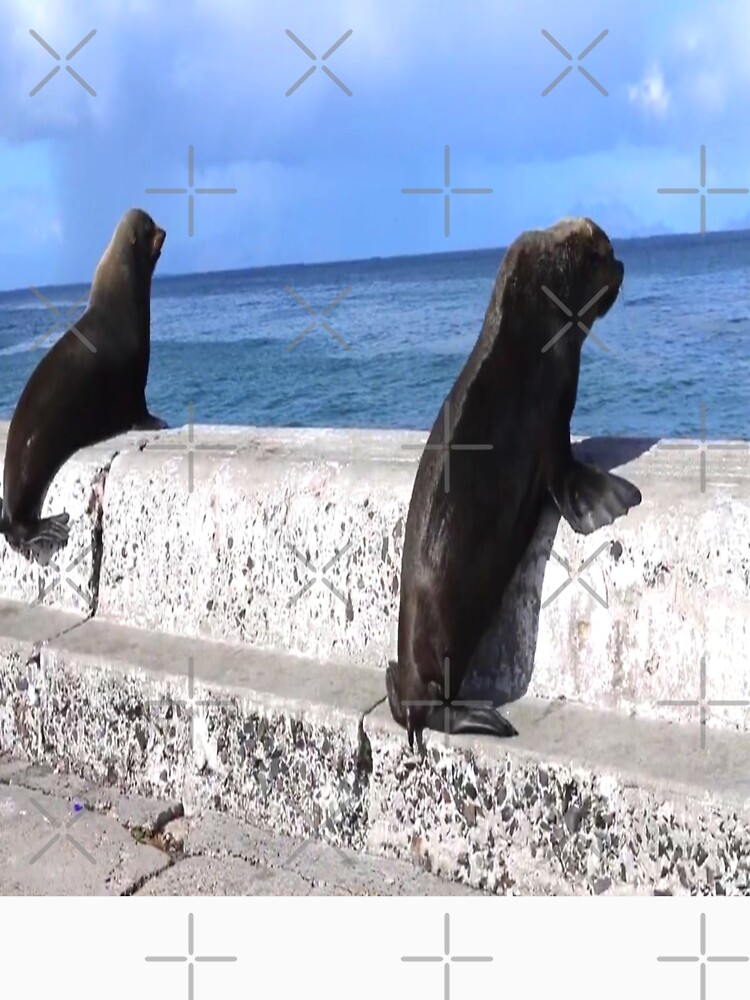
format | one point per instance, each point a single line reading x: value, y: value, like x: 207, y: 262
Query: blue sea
x: 378, y: 343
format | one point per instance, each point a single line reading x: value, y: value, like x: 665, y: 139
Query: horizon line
x: 363, y: 260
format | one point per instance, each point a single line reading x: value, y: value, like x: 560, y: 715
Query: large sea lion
x: 516, y: 393
x: 90, y: 385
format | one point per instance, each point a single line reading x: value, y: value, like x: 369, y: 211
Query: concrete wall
x: 292, y: 539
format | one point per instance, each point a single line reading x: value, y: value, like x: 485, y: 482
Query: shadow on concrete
x: 501, y: 668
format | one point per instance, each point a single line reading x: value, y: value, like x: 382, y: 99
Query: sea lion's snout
x: 158, y: 242
x: 604, y: 269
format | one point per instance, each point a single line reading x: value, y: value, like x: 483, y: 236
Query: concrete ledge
x: 265, y: 565
x: 291, y: 540
x: 582, y: 801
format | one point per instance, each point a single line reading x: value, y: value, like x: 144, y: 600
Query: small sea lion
x: 90, y: 385
x: 516, y: 393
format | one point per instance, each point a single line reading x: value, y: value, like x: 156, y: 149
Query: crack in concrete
x: 162, y: 820
x: 96, y: 506
x: 176, y: 860
x: 144, y: 880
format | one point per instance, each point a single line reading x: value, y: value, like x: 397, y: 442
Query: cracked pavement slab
x: 51, y: 845
x: 283, y: 865
x: 61, y: 836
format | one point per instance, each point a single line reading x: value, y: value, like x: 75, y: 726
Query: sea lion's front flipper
x: 589, y: 498
x: 480, y: 720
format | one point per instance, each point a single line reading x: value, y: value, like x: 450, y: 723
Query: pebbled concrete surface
x: 286, y: 626
x: 582, y: 801
x: 118, y: 845
x: 292, y: 540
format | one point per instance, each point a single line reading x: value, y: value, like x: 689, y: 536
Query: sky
x: 319, y: 172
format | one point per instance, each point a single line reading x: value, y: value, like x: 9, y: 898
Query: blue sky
x: 319, y: 173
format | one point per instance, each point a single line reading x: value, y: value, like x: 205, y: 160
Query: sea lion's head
x: 123, y: 275
x: 143, y: 235
x: 133, y: 251
x: 581, y: 267
x: 567, y: 272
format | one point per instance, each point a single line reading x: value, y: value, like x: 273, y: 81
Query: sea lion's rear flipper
x: 480, y: 720
x: 36, y: 536
x: 50, y: 530
x: 589, y: 498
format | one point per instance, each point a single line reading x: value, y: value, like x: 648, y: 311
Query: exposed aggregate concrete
x: 495, y: 821
x: 506, y: 826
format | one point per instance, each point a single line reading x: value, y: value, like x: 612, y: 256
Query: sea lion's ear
x: 133, y: 237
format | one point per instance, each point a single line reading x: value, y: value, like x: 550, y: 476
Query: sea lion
x: 516, y: 392
x: 90, y: 385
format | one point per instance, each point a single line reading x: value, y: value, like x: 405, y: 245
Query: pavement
x: 62, y: 837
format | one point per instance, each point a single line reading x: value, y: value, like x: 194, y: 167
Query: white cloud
x: 651, y: 93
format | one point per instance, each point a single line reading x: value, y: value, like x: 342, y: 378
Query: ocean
x: 378, y: 343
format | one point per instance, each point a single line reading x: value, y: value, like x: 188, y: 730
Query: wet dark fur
x: 462, y: 547
x: 75, y: 397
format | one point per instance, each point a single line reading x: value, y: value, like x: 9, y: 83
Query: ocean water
x: 226, y: 347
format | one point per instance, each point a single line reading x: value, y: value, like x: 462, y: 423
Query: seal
x: 90, y: 385
x: 505, y: 429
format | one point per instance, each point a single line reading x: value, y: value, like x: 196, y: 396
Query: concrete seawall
x: 268, y: 563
